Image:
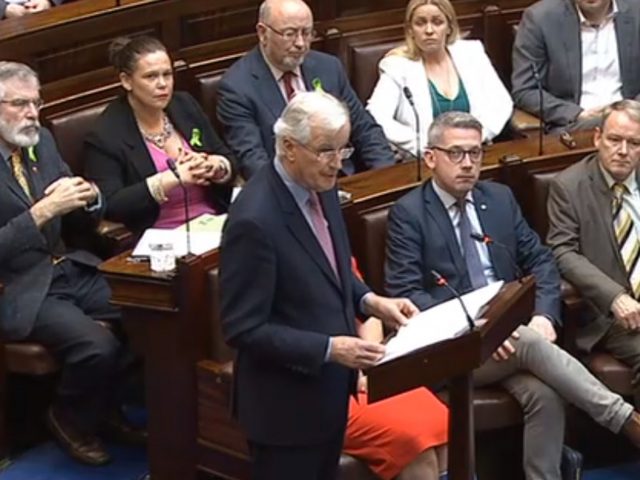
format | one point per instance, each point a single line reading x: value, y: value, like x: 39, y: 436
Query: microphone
x: 442, y: 282
x: 409, y: 96
x: 174, y: 169
x: 538, y: 79
x: 488, y: 241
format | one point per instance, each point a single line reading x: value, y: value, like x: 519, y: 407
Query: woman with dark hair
x: 140, y: 133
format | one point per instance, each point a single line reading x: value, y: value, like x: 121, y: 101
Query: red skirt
x: 390, y: 434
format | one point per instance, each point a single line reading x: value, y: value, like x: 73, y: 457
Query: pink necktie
x: 322, y: 230
x: 287, y: 78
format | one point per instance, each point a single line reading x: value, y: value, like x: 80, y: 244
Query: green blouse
x: 441, y: 104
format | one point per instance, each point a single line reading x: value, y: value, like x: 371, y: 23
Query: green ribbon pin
x: 196, y: 138
x: 317, y: 85
x: 31, y: 151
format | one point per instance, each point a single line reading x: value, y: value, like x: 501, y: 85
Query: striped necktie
x: 19, y: 174
x: 626, y: 236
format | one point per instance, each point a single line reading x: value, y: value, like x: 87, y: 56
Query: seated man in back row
x: 433, y: 228
x: 594, y: 231
x: 586, y: 55
x: 52, y: 295
x: 255, y: 90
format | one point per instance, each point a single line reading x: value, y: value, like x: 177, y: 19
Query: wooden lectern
x: 454, y: 360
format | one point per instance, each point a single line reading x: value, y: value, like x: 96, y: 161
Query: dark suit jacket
x: 549, y: 37
x: 25, y: 252
x: 280, y: 303
x: 250, y: 102
x: 118, y: 160
x: 583, y: 241
x: 421, y: 238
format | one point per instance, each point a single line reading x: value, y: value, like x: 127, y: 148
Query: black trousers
x: 308, y: 462
x: 89, y: 353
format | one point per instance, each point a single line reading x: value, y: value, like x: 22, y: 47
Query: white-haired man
x: 289, y: 298
x: 52, y: 295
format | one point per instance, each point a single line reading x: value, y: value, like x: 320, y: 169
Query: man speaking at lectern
x: 289, y: 298
x: 472, y: 232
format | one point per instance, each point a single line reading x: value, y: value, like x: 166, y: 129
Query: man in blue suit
x: 255, y: 90
x: 433, y: 228
x: 289, y: 298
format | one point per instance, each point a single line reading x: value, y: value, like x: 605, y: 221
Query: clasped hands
x: 199, y: 168
x: 63, y: 196
x: 30, y: 6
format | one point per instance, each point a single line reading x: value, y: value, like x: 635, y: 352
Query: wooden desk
x: 163, y: 315
x: 394, y: 180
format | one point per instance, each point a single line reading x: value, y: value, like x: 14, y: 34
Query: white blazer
x: 489, y: 100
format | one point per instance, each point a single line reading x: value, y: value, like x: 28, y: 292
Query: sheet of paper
x: 444, y: 321
x: 205, y: 223
x: 200, y: 241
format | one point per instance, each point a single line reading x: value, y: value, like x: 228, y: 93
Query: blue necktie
x: 470, y: 249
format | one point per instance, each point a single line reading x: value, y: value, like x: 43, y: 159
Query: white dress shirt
x: 601, y: 80
x: 297, y: 82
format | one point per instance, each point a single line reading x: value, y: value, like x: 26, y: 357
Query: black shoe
x: 87, y: 449
x: 571, y: 465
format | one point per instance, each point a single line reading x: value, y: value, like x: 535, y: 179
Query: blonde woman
x: 443, y: 73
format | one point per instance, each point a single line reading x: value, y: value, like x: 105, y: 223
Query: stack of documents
x: 442, y: 322
x: 206, y: 233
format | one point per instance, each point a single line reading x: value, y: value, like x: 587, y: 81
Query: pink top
x: 172, y: 211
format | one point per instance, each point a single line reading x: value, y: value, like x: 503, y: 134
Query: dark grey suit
x: 549, y: 37
x: 583, y: 241
x: 54, y: 304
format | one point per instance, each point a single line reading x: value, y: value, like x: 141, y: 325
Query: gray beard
x: 14, y: 136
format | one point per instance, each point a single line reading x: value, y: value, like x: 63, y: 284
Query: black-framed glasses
x: 328, y: 155
x: 290, y: 34
x: 457, y: 154
x: 23, y: 103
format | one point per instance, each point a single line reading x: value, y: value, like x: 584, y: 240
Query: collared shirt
x: 632, y: 200
x: 297, y: 82
x: 450, y: 205
x: 601, y: 80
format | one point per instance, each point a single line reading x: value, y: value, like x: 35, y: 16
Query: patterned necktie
x: 19, y: 173
x: 287, y: 81
x: 626, y: 236
x: 470, y: 250
x: 321, y: 229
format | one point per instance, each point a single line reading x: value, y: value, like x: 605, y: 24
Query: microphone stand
x: 442, y: 282
x: 174, y: 169
x: 538, y: 79
x: 409, y: 96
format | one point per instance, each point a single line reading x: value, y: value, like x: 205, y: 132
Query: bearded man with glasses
x: 441, y: 226
x: 255, y: 90
x: 53, y: 295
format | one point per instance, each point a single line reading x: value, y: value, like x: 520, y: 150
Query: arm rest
x: 522, y: 121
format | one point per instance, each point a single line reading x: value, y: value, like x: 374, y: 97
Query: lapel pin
x: 483, y: 206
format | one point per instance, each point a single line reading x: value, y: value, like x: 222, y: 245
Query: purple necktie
x: 321, y: 229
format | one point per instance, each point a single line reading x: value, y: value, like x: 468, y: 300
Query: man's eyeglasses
x: 23, y: 103
x: 291, y: 34
x: 457, y: 154
x: 328, y: 155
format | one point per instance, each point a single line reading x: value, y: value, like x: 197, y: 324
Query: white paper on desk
x: 444, y: 321
x: 200, y: 241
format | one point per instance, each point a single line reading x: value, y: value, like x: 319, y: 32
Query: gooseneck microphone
x: 538, y: 79
x: 442, y: 282
x: 174, y: 169
x: 488, y: 241
x: 409, y: 96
